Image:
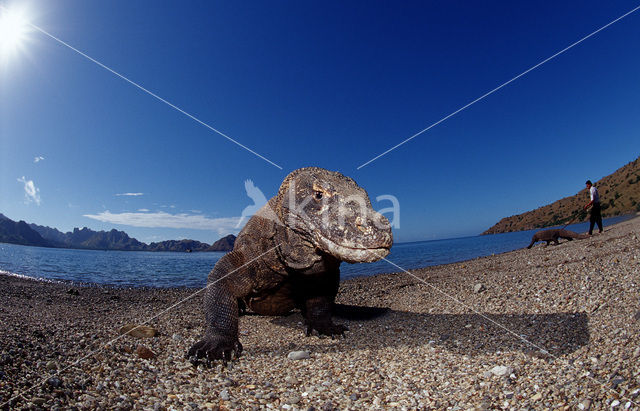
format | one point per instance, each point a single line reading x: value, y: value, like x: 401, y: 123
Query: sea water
x: 172, y: 269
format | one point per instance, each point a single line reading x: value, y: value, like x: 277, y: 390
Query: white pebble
x: 298, y: 355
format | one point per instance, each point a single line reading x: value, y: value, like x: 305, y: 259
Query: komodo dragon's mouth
x: 353, y: 254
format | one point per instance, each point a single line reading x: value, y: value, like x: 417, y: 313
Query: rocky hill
x: 223, y: 244
x: 619, y: 194
x: 19, y: 233
x: 85, y: 238
x: 178, y: 245
x: 89, y: 239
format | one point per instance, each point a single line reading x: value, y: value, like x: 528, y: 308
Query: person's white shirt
x: 595, y: 197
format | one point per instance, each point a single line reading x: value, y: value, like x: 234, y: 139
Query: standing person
x: 596, y: 216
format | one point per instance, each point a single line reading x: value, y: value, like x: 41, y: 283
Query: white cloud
x: 31, y: 192
x: 38, y: 159
x: 144, y: 210
x: 161, y: 219
x: 130, y: 194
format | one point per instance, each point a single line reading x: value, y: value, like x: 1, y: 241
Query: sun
x: 14, y: 28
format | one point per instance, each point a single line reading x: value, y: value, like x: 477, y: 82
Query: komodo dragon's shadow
x: 557, y: 333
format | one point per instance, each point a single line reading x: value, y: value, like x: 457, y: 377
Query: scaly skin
x: 554, y: 235
x: 288, y: 256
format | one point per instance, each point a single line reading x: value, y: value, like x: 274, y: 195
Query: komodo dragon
x: 288, y: 256
x: 553, y: 235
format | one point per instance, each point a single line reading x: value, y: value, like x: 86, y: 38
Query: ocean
x: 171, y: 269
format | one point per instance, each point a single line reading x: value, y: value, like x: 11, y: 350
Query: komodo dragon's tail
x: 572, y: 235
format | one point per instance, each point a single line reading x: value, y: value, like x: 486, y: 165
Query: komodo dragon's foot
x: 214, y: 347
x: 326, y: 328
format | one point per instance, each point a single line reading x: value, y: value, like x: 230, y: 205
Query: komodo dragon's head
x: 332, y: 213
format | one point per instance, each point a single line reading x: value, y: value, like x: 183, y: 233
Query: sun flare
x: 13, y: 31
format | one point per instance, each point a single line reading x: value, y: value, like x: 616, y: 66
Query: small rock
x: 536, y: 397
x: 353, y: 397
x: 51, y: 366
x: 55, y: 382
x: 144, y: 353
x: 290, y: 380
x: 616, y: 381
x: 585, y: 405
x: 637, y: 316
x: 501, y: 370
x: 5, y: 359
x: 73, y: 291
x: 38, y: 401
x: 327, y: 406
x: 293, y: 399
x: 138, y: 331
x: 478, y: 288
x: 298, y: 355
x: 176, y: 337
x: 224, y: 395
x: 615, y: 403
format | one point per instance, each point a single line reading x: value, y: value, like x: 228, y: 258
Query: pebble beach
x: 554, y: 327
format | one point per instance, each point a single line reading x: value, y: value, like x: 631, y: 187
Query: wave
x: 27, y: 277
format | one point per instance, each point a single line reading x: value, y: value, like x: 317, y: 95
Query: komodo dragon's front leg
x: 229, y: 280
x: 316, y: 297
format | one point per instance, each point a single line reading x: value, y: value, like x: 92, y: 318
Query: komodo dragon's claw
x: 330, y: 329
x: 214, y: 347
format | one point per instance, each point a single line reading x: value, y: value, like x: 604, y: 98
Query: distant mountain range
x: 36, y: 235
x: 619, y: 194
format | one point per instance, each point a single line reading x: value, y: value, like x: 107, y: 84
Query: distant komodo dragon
x: 554, y: 235
x: 288, y: 256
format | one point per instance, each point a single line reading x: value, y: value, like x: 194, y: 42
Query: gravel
x: 559, y: 322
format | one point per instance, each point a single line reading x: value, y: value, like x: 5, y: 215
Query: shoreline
x: 554, y: 327
x: 629, y: 217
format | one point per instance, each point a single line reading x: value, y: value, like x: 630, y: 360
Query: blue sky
x: 328, y: 84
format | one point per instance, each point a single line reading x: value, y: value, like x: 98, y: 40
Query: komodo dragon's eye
x: 317, y: 195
